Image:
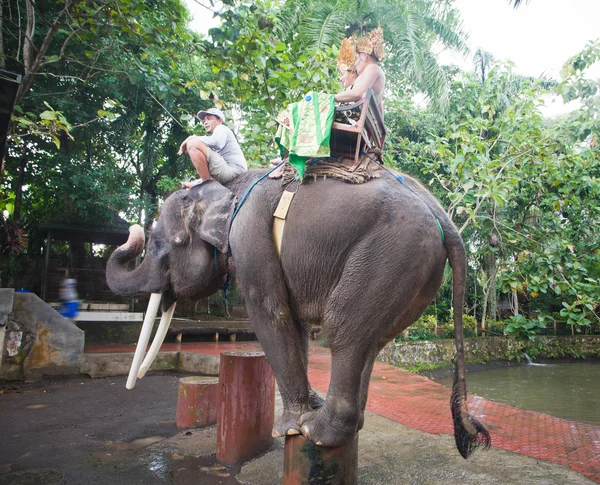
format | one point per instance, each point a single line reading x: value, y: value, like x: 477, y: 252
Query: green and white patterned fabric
x: 305, y: 129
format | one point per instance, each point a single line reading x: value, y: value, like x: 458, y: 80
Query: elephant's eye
x: 159, y: 248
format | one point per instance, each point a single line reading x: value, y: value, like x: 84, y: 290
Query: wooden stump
x: 246, y: 410
x: 307, y: 463
x: 197, y: 402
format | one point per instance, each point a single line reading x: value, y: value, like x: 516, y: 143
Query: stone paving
x: 422, y: 404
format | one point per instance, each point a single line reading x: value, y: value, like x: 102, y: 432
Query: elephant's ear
x: 215, y: 205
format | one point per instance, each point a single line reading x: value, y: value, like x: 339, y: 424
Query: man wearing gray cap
x: 217, y: 155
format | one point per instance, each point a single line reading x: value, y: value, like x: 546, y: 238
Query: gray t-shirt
x: 223, y: 142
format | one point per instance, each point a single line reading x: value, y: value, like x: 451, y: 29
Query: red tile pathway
x: 422, y: 404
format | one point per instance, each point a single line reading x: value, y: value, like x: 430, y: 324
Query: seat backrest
x: 370, y: 118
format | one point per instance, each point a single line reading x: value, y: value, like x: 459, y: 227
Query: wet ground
x: 94, y: 431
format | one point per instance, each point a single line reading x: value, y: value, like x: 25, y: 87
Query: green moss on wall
x: 426, y: 355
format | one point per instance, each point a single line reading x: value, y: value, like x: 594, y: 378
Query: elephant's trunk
x: 123, y: 281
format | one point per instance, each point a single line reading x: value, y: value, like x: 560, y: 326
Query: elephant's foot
x: 326, y: 428
x: 314, y: 400
x: 287, y: 423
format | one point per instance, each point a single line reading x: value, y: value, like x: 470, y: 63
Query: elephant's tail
x: 468, y: 432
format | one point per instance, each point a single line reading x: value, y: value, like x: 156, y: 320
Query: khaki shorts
x: 219, y: 169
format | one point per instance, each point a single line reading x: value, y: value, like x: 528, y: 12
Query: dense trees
x: 110, y: 88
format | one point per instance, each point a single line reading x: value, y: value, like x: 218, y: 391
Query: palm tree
x: 482, y: 61
x: 412, y: 29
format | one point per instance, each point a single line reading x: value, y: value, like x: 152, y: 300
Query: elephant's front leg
x: 280, y: 341
x: 315, y: 401
x: 261, y: 281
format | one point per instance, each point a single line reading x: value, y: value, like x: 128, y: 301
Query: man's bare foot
x: 277, y: 173
x: 189, y: 185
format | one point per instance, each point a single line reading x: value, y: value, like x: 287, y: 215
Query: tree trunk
x: 490, y: 274
x: 2, y: 55
x: 18, y: 186
x: 32, y: 57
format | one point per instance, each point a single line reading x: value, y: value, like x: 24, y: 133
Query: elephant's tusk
x: 144, y: 338
x: 159, y: 338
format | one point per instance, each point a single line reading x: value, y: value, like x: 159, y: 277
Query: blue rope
x: 400, y: 179
x: 237, y: 209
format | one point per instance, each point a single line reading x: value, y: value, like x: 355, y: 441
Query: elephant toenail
x: 305, y: 431
x: 292, y: 432
x: 319, y: 443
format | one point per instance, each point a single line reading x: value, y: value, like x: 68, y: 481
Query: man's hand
x: 183, y: 146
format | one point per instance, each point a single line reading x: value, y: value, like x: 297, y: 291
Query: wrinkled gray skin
x: 362, y: 260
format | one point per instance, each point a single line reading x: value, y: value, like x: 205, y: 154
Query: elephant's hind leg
x: 337, y: 421
x: 357, y: 319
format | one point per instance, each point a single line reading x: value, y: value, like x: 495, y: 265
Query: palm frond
x: 325, y: 23
x: 448, y: 31
x: 516, y: 3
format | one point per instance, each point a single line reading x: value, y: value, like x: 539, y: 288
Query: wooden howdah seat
x: 347, y: 140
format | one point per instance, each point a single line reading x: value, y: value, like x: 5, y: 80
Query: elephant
x: 362, y: 260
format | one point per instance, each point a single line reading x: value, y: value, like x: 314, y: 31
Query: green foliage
x: 101, y: 123
x: 508, y: 174
x: 469, y: 326
x: 420, y: 367
x: 427, y: 327
x: 575, y: 314
x: 426, y: 323
x: 109, y: 97
x: 523, y: 329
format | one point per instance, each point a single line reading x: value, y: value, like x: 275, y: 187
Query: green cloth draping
x: 304, y: 129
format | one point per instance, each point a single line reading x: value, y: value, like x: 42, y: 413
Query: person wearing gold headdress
x: 345, y: 62
x: 369, y: 53
x: 301, y: 140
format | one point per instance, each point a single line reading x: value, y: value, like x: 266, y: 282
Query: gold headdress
x: 372, y: 44
x: 347, y: 54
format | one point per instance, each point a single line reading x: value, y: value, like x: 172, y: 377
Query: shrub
x: 522, y: 329
x: 422, y: 329
x: 469, y: 326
